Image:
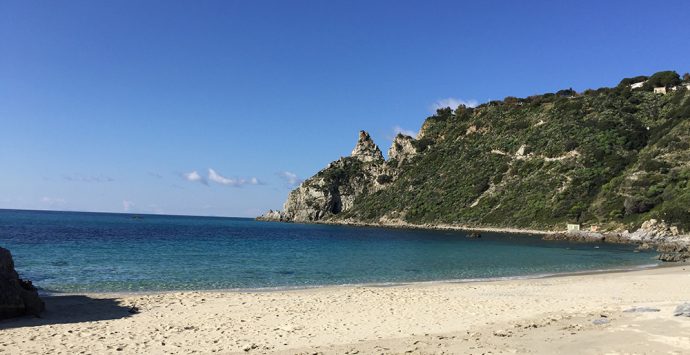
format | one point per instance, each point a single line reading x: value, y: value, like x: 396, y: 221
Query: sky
x: 222, y: 107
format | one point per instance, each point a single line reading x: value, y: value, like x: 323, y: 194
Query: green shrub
x: 662, y: 79
x: 629, y: 81
x: 383, y: 179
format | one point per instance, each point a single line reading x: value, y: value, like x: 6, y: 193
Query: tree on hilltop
x: 666, y: 79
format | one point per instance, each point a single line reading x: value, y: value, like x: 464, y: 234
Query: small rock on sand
x: 682, y: 310
x: 503, y: 333
x: 600, y: 321
x: 641, y: 309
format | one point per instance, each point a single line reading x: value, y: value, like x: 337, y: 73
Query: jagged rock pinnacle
x: 402, y: 148
x: 366, y: 150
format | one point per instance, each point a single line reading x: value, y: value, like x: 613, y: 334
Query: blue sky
x: 113, y: 105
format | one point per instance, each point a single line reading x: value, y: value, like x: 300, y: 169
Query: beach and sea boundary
x: 611, y: 312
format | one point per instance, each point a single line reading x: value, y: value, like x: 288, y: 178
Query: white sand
x: 547, y: 316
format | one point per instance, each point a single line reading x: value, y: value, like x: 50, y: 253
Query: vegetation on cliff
x: 612, y: 157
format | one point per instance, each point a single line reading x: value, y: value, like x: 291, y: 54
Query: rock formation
x: 366, y: 150
x: 609, y: 158
x: 271, y: 215
x: 673, y: 251
x: 17, y: 297
x: 334, y: 189
x: 402, y: 150
x: 652, y: 231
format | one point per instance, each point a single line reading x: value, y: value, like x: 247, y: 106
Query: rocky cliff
x: 17, y: 297
x: 334, y: 189
x: 608, y: 159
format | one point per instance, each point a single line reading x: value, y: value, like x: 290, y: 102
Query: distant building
x: 661, y: 90
x: 573, y: 227
x: 637, y: 85
x: 594, y: 228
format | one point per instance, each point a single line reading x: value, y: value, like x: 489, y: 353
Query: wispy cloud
x: 236, y: 182
x: 407, y: 132
x: 155, y: 174
x: 216, y: 177
x: 194, y: 176
x: 290, y: 178
x: 453, y: 103
x: 87, y: 178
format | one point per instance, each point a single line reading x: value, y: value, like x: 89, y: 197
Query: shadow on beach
x: 71, y: 309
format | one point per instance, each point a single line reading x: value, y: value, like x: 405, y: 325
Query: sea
x: 73, y: 252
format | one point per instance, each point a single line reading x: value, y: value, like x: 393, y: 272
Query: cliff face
x: 611, y: 158
x: 334, y: 189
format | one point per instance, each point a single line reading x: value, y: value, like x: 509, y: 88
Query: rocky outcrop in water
x: 653, y: 231
x: 672, y: 246
x: 673, y: 252
x: 272, y: 215
x: 578, y: 236
x: 17, y: 297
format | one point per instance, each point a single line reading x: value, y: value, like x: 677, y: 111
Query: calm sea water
x: 72, y: 252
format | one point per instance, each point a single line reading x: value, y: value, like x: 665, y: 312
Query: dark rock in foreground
x: 17, y: 297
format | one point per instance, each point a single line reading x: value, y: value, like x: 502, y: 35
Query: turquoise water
x: 73, y: 252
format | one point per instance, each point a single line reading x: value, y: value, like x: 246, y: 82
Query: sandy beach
x: 565, y: 314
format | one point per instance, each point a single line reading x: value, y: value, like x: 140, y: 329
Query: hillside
x: 611, y: 158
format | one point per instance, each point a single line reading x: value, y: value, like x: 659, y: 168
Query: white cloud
x: 407, y: 132
x: 194, y: 177
x: 236, y: 182
x: 453, y: 103
x: 291, y: 179
x: 127, y: 205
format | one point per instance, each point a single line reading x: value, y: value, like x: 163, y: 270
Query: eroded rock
x: 673, y: 252
x: 366, y: 150
x: 402, y: 150
x: 333, y: 190
x: 17, y: 297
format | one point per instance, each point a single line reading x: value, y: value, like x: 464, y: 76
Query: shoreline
x: 615, y: 270
x: 441, y: 227
x: 565, y: 314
